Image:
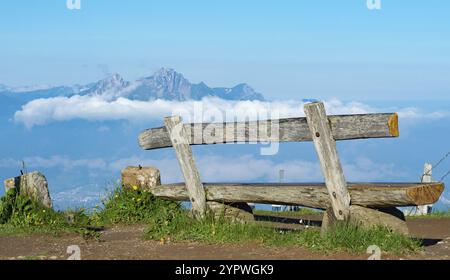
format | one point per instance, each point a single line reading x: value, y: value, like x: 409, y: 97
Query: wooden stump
x: 236, y: 212
x: 33, y: 185
x: 144, y: 178
x: 391, y: 218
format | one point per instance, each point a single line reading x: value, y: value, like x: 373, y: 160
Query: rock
x: 144, y: 178
x: 391, y: 218
x: 236, y: 212
x: 33, y: 185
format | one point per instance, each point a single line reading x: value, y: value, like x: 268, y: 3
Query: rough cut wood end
x: 393, y: 125
x: 424, y: 196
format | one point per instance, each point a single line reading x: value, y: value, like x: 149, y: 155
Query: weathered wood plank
x: 377, y: 195
x: 329, y: 159
x: 345, y: 127
x: 185, y: 158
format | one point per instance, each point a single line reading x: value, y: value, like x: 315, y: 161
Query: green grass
x: 131, y: 207
x: 21, y: 215
x: 434, y: 215
x: 352, y: 238
x: 168, y: 220
x: 178, y: 226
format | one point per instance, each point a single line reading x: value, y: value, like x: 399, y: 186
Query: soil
x: 126, y: 243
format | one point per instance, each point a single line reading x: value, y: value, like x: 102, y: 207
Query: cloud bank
x: 213, y: 168
x: 97, y: 108
x: 219, y: 168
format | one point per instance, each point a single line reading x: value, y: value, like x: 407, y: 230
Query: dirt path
x: 125, y: 242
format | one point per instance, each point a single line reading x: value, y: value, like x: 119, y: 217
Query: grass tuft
x: 353, y: 238
x: 178, y: 226
x: 21, y: 215
x: 131, y: 207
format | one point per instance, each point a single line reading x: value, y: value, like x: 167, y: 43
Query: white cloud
x: 64, y: 163
x: 444, y: 200
x: 218, y: 168
x: 363, y: 169
x: 249, y: 168
x: 9, y: 162
x: 83, y: 196
x: 103, y: 128
x: 98, y: 108
x: 213, y: 168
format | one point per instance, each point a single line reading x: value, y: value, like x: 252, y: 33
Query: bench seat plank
x: 313, y: 195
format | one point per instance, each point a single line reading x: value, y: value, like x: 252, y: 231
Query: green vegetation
x: 169, y: 221
x: 434, y: 215
x: 176, y: 225
x: 131, y: 207
x: 21, y: 215
x: 352, y: 238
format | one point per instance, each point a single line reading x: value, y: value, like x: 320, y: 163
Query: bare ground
x: 126, y: 243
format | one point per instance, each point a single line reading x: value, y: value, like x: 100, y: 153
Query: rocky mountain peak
x: 166, y: 83
x: 112, y: 84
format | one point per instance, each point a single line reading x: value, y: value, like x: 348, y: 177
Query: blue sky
x: 393, y: 59
x: 318, y: 48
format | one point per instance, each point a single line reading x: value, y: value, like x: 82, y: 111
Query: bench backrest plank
x: 343, y: 127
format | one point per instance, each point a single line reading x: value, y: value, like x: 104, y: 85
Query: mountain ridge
x: 166, y: 83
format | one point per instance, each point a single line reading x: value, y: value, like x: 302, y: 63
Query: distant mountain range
x: 164, y: 84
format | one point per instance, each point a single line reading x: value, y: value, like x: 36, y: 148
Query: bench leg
x: 368, y: 218
x: 180, y: 142
x: 330, y: 163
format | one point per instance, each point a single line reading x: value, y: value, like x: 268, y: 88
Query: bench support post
x: 180, y: 142
x: 325, y: 146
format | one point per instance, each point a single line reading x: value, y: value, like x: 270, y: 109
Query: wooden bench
x: 366, y: 203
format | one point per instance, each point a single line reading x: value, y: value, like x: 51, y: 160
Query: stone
x: 33, y: 185
x: 391, y: 218
x: 144, y: 178
x: 236, y: 212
